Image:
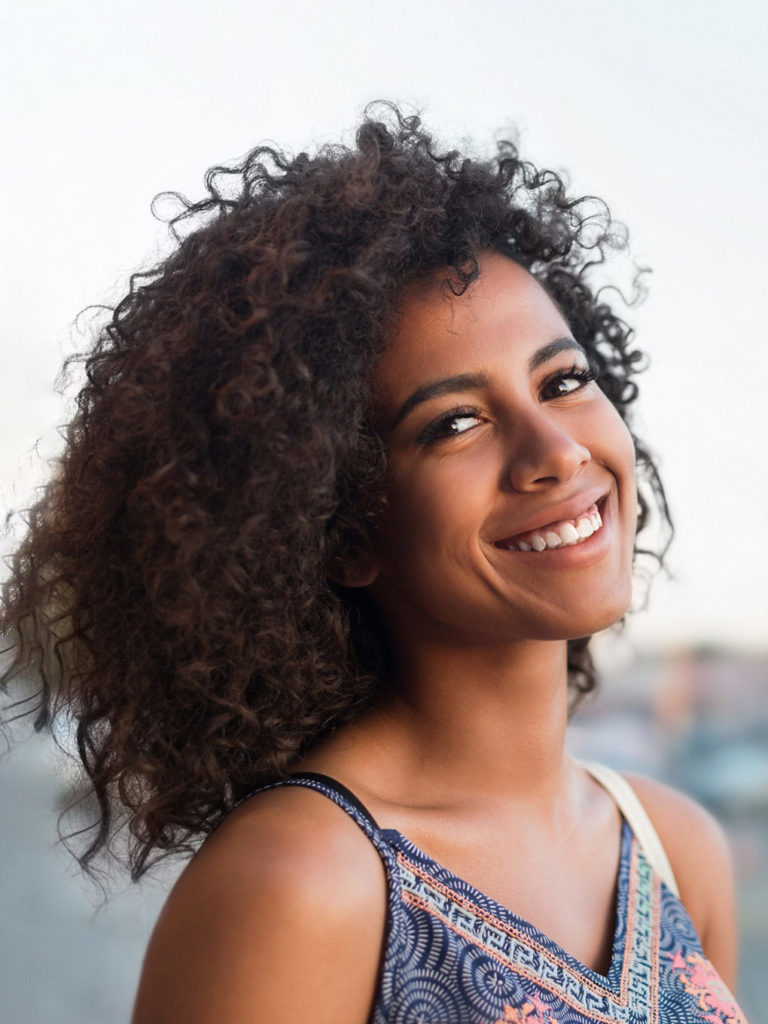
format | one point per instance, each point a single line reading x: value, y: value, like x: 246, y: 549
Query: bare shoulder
x: 284, y: 906
x: 688, y: 832
x: 701, y: 861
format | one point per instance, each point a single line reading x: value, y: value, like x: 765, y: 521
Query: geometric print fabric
x: 454, y: 956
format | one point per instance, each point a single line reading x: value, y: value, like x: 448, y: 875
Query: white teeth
x: 585, y: 527
x: 569, y: 533
x: 565, y: 536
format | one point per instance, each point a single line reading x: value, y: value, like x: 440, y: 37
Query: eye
x: 451, y: 424
x: 564, y: 382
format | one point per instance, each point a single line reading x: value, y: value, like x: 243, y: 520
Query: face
x: 510, y: 498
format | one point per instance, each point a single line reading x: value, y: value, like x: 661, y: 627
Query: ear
x: 356, y: 569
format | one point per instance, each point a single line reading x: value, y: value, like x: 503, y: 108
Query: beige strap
x: 637, y: 816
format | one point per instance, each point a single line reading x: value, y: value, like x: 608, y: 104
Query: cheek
x: 618, y: 456
x: 615, y: 448
x: 438, y: 509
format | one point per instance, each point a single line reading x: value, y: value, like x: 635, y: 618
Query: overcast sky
x: 658, y: 107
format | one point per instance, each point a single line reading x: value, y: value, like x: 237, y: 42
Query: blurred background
x: 657, y: 108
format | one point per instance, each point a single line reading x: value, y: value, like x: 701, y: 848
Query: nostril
x: 544, y: 465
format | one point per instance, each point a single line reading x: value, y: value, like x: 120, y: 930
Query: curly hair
x: 172, y: 591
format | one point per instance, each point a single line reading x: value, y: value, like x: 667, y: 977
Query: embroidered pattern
x: 532, y: 1012
x: 500, y: 968
x: 699, y: 979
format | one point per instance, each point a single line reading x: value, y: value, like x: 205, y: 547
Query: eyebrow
x: 469, y: 381
x: 547, y: 352
x: 447, y: 386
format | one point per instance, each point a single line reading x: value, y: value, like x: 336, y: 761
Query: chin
x: 601, y: 619
x: 591, y: 619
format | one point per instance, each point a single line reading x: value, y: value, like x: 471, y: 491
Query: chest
x: 566, y: 889
x: 454, y: 954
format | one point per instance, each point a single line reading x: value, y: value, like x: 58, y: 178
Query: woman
x: 350, y: 487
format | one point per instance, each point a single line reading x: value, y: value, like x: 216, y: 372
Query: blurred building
x: 698, y: 719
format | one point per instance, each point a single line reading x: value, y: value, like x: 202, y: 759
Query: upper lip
x: 570, y: 508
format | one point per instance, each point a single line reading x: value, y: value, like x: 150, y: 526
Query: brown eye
x: 458, y: 424
x: 459, y: 421
x: 566, y: 382
x: 565, y: 385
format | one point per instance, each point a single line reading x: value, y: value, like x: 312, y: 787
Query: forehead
x: 503, y: 315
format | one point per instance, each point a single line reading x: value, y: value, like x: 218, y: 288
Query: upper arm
x: 272, y: 920
x: 698, y: 852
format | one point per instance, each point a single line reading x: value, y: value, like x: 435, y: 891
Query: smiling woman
x: 350, y: 487
x: 531, y: 443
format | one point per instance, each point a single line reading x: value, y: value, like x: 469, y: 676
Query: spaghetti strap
x: 624, y: 796
x: 636, y: 815
x: 338, y: 788
x: 342, y: 797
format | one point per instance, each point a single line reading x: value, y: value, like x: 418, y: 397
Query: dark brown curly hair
x: 172, y: 592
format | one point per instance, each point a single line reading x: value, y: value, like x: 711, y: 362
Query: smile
x: 564, y: 534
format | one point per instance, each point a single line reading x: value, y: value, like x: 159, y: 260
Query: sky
x: 658, y: 108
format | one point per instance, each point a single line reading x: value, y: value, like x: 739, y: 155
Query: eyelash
x: 439, y: 429
x: 583, y: 374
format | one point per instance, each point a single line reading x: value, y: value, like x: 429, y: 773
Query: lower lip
x: 574, y: 555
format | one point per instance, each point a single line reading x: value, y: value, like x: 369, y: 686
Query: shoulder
x: 283, y: 909
x: 694, y: 842
x: 698, y: 851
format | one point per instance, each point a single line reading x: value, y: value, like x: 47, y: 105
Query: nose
x: 544, y: 452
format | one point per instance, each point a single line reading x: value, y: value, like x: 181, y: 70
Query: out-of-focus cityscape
x: 697, y: 719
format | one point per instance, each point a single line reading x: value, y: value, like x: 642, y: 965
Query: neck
x: 493, y: 718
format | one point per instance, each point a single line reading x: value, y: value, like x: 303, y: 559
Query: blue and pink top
x: 454, y: 956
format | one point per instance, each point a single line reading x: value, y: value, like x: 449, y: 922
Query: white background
x: 659, y: 108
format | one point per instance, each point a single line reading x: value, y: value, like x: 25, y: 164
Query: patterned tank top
x: 454, y: 956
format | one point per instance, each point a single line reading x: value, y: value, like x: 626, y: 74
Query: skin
x: 466, y: 754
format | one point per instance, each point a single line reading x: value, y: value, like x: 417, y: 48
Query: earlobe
x: 359, y: 569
